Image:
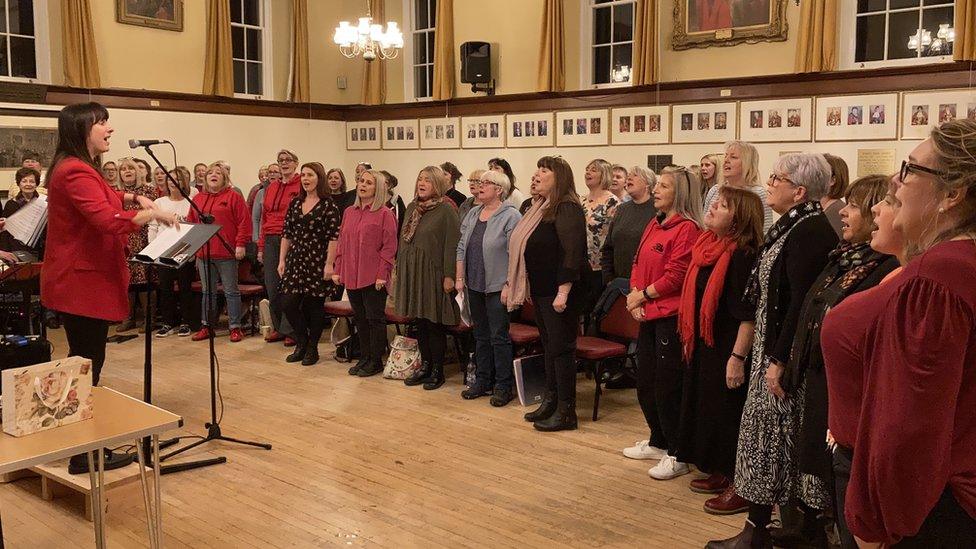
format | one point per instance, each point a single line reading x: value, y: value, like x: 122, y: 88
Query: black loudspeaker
x: 476, y: 62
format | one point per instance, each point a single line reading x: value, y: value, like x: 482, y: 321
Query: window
x: 901, y: 32
x: 424, y: 19
x: 249, y: 29
x: 24, y: 52
x: 611, y: 42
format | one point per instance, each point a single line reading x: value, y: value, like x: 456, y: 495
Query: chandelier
x: 923, y: 42
x: 368, y: 39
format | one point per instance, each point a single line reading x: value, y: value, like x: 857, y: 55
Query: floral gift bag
x: 404, y: 358
x: 44, y: 396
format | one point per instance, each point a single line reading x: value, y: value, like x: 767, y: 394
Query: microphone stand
x: 213, y: 427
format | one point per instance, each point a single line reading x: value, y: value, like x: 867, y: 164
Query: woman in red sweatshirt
x: 277, y: 197
x: 660, y: 266
x: 218, y: 199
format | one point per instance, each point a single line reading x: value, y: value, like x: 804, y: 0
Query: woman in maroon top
x: 913, y: 477
x: 277, y: 198
x: 660, y: 265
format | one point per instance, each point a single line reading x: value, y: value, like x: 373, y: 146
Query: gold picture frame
x: 707, y: 23
x: 156, y: 14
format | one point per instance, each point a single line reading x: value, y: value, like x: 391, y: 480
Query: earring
x: 941, y: 210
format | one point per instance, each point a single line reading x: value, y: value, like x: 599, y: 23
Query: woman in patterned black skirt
x: 308, y: 247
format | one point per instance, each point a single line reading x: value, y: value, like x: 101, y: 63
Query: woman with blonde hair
x: 364, y: 263
x: 599, y: 205
x: 175, y: 321
x: 740, y: 169
x: 131, y: 181
x: 711, y: 173
x: 425, y: 272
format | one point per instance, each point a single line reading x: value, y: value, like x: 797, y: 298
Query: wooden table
x: 119, y: 419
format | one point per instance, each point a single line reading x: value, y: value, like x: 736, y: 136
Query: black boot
x: 546, y: 408
x: 371, y: 368
x: 420, y: 376
x: 311, y: 355
x: 363, y: 361
x: 563, y: 419
x: 749, y: 537
x: 436, y: 378
x: 297, y: 355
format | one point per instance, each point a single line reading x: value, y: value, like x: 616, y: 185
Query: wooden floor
x: 370, y: 462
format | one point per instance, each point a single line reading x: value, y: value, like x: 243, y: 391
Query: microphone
x: 135, y: 143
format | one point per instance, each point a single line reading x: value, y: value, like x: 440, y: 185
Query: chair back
x: 619, y: 322
x: 527, y: 313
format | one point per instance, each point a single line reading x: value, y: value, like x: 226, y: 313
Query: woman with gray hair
x: 792, y: 257
x: 628, y: 224
x: 740, y: 169
x: 482, y: 269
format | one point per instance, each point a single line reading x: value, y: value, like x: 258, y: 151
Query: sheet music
x: 165, y: 239
x: 177, y: 245
x: 27, y: 223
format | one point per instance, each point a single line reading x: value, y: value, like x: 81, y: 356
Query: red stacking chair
x: 252, y: 292
x: 619, y: 325
x: 524, y: 334
x: 338, y: 309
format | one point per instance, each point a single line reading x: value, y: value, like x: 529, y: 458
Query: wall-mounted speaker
x: 476, y: 62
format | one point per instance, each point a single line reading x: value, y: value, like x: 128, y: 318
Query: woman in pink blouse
x: 364, y: 260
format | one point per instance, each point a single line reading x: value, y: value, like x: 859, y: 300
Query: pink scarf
x: 518, y: 278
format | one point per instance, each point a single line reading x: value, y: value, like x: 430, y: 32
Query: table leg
x: 157, y: 477
x: 96, y: 501
x: 101, y: 493
x: 150, y: 515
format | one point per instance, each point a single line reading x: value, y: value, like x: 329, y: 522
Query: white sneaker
x: 668, y: 468
x: 642, y: 449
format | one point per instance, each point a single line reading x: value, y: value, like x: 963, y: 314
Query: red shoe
x: 729, y: 503
x: 289, y: 342
x: 204, y: 333
x: 714, y: 484
x: 236, y: 335
x: 274, y: 337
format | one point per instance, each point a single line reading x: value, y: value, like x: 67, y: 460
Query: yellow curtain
x: 218, y: 69
x: 816, y: 47
x: 552, y: 70
x: 298, y: 74
x: 374, y: 72
x: 444, y: 51
x: 644, y: 71
x: 80, y: 59
x: 964, y: 48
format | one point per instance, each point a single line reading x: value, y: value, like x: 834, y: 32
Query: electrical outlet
x: 341, y: 82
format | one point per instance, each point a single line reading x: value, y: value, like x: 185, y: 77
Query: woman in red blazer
x: 659, y: 270
x: 85, y: 276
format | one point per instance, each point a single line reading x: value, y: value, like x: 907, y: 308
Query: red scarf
x: 709, y: 250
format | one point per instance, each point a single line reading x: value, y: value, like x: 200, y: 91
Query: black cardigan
x: 800, y: 262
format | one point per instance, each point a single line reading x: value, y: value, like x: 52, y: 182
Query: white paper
x: 27, y: 223
x: 165, y: 239
x: 462, y: 301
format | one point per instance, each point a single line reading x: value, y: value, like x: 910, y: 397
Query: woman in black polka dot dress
x: 308, y: 246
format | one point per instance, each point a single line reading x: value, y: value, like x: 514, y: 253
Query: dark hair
x: 840, y: 174
x: 322, y: 185
x: 149, y: 170
x: 452, y: 171
x: 74, y: 126
x: 747, y: 216
x: 366, y: 165
x: 391, y: 180
x: 565, y: 190
x: 30, y: 155
x: 505, y: 166
x: 24, y: 172
x: 197, y: 165
x: 867, y: 191
x: 342, y: 177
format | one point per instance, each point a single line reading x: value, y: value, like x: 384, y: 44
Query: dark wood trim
x: 895, y: 79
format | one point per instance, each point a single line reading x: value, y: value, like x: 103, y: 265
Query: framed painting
x: 156, y: 14
x: 776, y: 121
x: 483, y: 132
x: 922, y: 111
x: 650, y: 125
x: 400, y: 134
x: 857, y: 117
x: 706, y: 23
x: 531, y: 130
x: 440, y: 133
x: 362, y: 136
x: 703, y: 123
x: 578, y: 128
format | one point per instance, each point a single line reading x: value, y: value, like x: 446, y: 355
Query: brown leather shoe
x: 728, y: 503
x: 714, y: 484
x: 749, y: 537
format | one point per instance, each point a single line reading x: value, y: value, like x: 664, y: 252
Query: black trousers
x: 306, y: 315
x: 558, y: 333
x: 369, y: 314
x: 948, y: 525
x: 660, y: 374
x: 842, y: 458
x: 168, y: 298
x: 432, y: 341
x: 86, y: 338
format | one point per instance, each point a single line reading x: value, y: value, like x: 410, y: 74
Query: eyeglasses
x: 775, y: 178
x: 284, y: 159
x: 474, y: 181
x: 909, y: 167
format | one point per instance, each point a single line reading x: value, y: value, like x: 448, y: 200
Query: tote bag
x: 404, y: 358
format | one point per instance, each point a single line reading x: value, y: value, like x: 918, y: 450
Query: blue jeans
x: 272, y: 253
x: 226, y: 270
x: 493, y: 346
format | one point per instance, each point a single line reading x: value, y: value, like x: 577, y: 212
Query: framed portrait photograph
x: 780, y: 120
x: 857, y: 117
x: 925, y: 110
x: 703, y: 123
x: 21, y: 140
x: 706, y: 23
x: 363, y: 136
x: 440, y: 133
x: 482, y: 132
x: 157, y: 14
x: 533, y: 130
x: 401, y: 134
x: 649, y: 125
x: 595, y: 129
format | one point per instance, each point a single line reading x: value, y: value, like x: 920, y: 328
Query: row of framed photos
x: 872, y: 117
